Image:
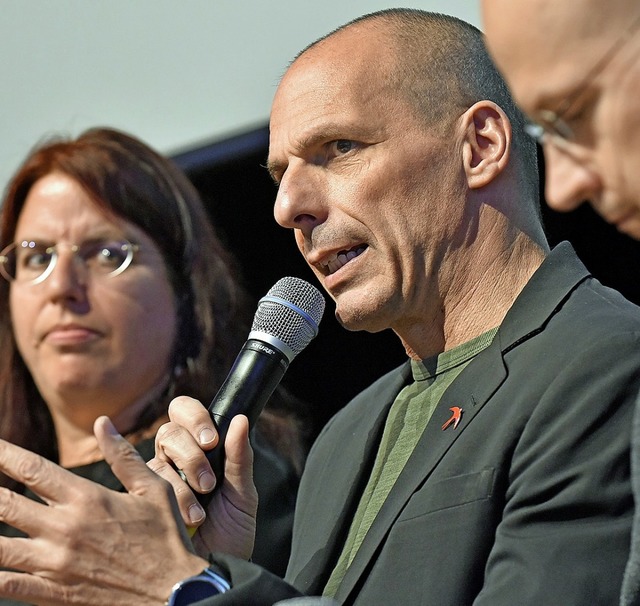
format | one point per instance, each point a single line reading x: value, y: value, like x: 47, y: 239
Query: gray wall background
x: 176, y: 73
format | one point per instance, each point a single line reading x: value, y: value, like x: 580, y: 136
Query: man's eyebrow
x: 311, y: 140
x: 275, y: 170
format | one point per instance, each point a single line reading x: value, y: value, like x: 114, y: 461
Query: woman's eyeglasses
x: 31, y: 262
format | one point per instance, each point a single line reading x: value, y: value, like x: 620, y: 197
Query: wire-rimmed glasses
x: 31, y: 262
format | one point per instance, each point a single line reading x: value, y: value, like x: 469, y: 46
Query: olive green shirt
x: 408, y: 417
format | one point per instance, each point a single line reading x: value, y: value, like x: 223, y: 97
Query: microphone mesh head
x: 290, y: 312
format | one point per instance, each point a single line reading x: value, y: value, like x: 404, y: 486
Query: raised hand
x: 87, y: 544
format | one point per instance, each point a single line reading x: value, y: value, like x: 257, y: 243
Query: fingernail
x: 207, y: 436
x: 196, y: 513
x: 206, y: 481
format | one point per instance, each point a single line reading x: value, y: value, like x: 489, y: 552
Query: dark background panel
x: 239, y: 195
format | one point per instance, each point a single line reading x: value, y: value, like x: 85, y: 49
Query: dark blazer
x: 528, y: 501
x: 630, y: 595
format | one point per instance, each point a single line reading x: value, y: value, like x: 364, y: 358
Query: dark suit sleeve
x: 564, y: 533
x: 251, y: 584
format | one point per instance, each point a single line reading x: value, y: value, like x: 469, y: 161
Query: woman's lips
x: 70, y: 335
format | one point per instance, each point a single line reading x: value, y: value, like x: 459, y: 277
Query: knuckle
x: 181, y: 403
x: 62, y: 558
x: 157, y: 465
x: 9, y: 505
x: 164, y: 472
x: 30, y: 470
x: 187, y: 411
x: 168, y: 432
x: 12, y: 584
x: 182, y: 491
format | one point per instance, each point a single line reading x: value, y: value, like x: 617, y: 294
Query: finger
x: 193, y: 416
x: 124, y: 460
x: 43, y: 477
x: 231, y: 528
x: 27, y: 555
x: 175, y: 445
x: 22, y: 513
x: 32, y: 589
x: 190, y: 509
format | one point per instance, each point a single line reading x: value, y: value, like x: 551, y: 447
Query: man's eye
x: 344, y: 146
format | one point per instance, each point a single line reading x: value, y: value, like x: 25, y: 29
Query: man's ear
x: 487, y: 143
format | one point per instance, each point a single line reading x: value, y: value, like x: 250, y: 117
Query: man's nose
x: 300, y: 202
x: 570, y: 179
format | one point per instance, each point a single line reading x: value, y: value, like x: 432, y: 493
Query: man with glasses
x: 574, y: 67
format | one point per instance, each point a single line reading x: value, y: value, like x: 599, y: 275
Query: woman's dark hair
x: 125, y: 177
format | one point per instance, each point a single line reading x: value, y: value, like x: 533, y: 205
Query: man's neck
x: 477, y: 302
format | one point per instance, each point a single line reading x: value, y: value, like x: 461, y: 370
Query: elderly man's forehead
x: 519, y: 31
x: 543, y: 47
x: 542, y: 27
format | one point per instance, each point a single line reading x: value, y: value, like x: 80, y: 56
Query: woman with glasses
x: 117, y: 296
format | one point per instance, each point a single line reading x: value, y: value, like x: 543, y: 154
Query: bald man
x: 574, y: 67
x: 480, y: 472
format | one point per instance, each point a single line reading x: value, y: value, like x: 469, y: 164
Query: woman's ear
x: 487, y: 143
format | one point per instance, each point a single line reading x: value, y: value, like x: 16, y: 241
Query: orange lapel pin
x: 455, y: 417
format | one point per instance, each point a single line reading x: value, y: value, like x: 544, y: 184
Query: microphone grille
x: 290, y: 312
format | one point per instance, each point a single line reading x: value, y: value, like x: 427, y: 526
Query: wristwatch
x: 204, y: 585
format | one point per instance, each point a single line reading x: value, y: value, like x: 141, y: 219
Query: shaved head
x: 533, y: 37
x: 442, y: 65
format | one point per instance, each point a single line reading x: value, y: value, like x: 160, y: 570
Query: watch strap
x: 198, y: 587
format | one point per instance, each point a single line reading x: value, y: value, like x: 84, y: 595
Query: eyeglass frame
x: 555, y: 127
x: 131, y: 248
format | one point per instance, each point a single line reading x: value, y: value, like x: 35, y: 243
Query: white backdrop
x: 176, y: 73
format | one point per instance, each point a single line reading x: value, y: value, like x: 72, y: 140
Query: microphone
x: 285, y: 322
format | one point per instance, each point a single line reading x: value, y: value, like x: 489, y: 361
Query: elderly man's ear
x: 487, y: 143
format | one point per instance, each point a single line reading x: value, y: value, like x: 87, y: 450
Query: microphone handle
x: 255, y: 374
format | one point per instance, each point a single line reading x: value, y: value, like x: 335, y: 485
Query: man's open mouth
x: 342, y: 258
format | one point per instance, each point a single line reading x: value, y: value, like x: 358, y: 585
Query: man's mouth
x: 341, y: 258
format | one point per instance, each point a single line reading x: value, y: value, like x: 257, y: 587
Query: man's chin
x: 630, y: 226
x: 356, y: 320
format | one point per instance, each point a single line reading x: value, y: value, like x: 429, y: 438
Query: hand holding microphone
x: 285, y: 322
